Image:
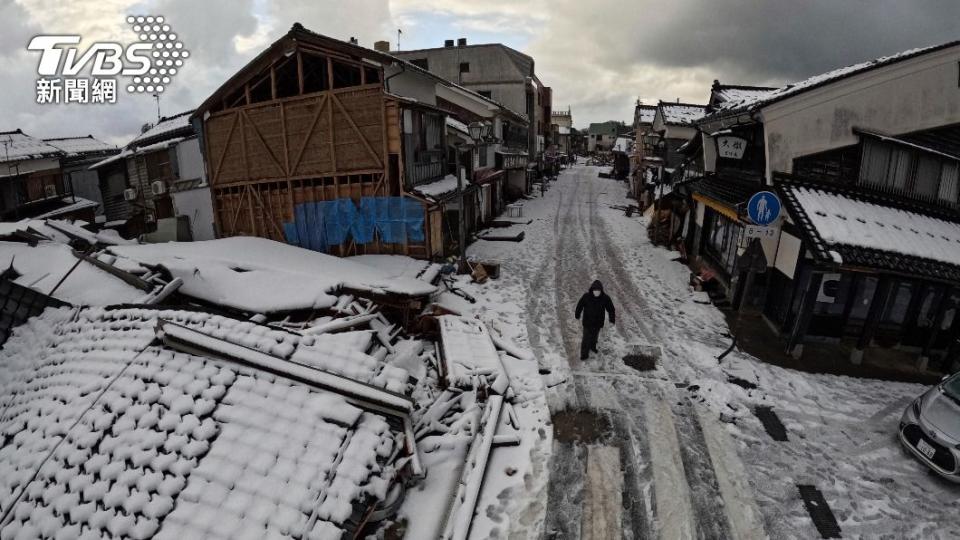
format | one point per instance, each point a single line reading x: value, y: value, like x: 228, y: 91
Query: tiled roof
x: 843, y: 228
x: 728, y: 190
x: 751, y: 103
x: 18, y: 146
x: 108, y: 433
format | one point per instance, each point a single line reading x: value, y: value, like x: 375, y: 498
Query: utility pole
x: 462, y: 242
x: 157, y: 97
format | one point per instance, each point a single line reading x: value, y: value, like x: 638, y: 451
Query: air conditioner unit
x: 829, y: 288
x: 158, y: 187
x: 50, y: 191
x: 130, y: 194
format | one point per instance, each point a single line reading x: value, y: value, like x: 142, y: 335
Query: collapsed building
x: 206, y: 389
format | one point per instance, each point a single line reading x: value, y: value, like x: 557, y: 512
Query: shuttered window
x: 948, y: 183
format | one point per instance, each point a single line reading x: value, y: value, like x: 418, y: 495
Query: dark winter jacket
x: 592, y: 307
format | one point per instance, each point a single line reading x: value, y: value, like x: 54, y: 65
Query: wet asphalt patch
x: 771, y: 422
x: 819, y: 511
x: 581, y: 426
x: 641, y: 362
x: 742, y: 383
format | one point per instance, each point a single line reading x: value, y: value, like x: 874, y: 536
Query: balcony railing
x: 423, y: 173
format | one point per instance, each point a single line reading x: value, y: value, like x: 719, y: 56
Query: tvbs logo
x: 149, y: 64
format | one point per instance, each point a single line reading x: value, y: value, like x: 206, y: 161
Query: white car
x: 930, y: 428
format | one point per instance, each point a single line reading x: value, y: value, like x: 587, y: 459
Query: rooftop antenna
x: 156, y: 96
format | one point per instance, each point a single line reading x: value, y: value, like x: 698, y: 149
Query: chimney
x: 448, y: 43
x: 462, y: 42
x: 382, y: 46
x: 353, y: 41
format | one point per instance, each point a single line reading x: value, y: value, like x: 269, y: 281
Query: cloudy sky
x: 599, y: 55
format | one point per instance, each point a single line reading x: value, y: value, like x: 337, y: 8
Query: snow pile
x: 263, y: 276
x: 437, y: 190
x: 108, y: 433
x: 841, y: 220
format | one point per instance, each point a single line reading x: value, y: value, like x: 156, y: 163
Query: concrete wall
x: 197, y: 205
x: 912, y: 95
x: 491, y: 69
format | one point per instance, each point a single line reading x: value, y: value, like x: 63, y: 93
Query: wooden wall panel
x: 325, y: 133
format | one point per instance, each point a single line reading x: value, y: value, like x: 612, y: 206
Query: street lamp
x: 478, y: 132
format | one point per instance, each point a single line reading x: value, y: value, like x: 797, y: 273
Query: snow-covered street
x: 677, y: 452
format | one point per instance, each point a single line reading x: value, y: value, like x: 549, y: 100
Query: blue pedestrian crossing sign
x: 763, y: 208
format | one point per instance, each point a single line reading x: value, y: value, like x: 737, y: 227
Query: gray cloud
x: 598, y: 56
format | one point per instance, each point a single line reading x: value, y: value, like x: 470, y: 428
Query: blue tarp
x: 318, y: 225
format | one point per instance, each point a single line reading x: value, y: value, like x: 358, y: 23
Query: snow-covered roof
x: 683, y: 114
x: 647, y: 113
x: 74, y: 146
x: 18, y: 146
x: 622, y: 144
x: 263, y: 276
x: 171, y: 126
x: 726, y: 93
x: 140, y: 150
x: 42, y: 267
x: 753, y: 102
x: 841, y: 220
x: 436, y: 190
x: 111, y: 432
x: 71, y: 204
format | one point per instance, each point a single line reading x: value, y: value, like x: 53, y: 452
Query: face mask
x: 596, y: 293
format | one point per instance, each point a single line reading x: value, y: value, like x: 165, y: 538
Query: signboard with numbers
x: 731, y: 147
x: 756, y: 231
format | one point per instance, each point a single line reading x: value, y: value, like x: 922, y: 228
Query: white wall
x: 412, y: 84
x: 787, y: 254
x: 197, y: 205
x: 190, y: 161
x: 912, y: 95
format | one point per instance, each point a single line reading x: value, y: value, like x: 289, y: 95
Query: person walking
x: 593, y: 305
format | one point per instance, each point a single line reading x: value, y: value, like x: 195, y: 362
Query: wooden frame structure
x: 308, y: 120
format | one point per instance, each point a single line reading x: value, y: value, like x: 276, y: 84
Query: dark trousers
x: 589, y: 341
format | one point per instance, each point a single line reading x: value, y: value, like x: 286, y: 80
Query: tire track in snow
x: 709, y: 514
